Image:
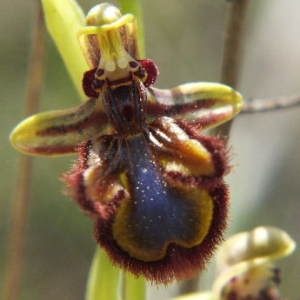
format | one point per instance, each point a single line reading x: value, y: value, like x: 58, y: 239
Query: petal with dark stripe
x: 202, y: 104
x: 59, y: 132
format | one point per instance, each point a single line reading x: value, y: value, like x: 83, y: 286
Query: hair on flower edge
x: 147, y: 175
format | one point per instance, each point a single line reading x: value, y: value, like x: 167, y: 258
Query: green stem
x: 133, y: 288
x: 103, y: 281
x: 135, y: 7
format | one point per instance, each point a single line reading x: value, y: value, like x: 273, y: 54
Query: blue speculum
x: 158, y: 213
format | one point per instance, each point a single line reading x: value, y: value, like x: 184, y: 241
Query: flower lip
x: 114, y: 210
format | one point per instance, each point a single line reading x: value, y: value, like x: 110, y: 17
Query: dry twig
x: 19, y: 215
x: 232, y: 51
x: 266, y: 105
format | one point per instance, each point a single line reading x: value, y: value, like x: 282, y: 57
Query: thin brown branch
x: 266, y: 105
x: 16, y: 239
x: 233, y: 42
x: 229, y: 75
x: 232, y: 51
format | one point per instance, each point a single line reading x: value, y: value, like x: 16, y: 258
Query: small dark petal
x: 87, y: 83
x: 152, y: 71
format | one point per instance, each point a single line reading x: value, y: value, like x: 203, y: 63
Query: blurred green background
x: 185, y: 39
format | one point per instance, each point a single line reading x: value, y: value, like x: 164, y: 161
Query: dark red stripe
x: 98, y: 118
x: 158, y: 109
x: 51, y: 150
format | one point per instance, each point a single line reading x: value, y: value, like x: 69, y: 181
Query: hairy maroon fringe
x: 74, y: 180
x: 76, y: 189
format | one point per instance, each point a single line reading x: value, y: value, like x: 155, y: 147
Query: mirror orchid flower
x: 246, y: 264
x: 146, y: 173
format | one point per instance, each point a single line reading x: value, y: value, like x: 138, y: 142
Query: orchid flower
x: 246, y: 266
x: 146, y: 172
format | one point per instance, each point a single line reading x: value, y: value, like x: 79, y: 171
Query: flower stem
x: 233, y: 41
x: 17, y: 236
x: 132, y: 288
x: 103, y: 281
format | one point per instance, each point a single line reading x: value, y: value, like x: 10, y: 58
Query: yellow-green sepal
x: 207, y: 104
x: 58, y: 132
